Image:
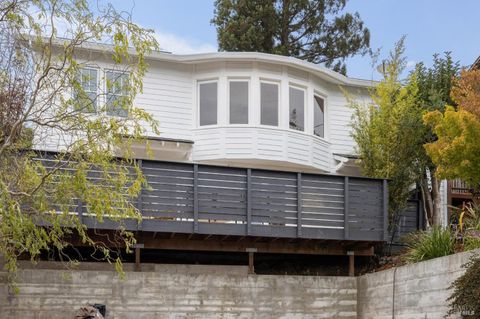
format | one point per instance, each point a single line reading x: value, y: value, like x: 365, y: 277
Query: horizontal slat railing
x: 214, y: 200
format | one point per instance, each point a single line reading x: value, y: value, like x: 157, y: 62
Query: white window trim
x: 249, y: 104
x: 197, y: 108
x: 105, y: 90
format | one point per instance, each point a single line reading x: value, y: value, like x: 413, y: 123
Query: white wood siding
x: 170, y: 95
x: 257, y: 143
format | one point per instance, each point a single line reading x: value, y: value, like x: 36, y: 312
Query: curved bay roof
x: 317, y: 69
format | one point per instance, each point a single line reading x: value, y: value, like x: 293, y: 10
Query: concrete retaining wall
x: 409, y: 292
x: 172, y: 293
x: 193, y: 291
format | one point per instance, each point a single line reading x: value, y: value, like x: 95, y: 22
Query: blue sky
x: 183, y: 26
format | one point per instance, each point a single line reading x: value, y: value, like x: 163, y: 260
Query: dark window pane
x: 269, y: 104
x: 208, y: 103
x: 296, y: 106
x: 238, y: 102
x: 319, y: 117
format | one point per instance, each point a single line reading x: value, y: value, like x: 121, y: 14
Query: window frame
x: 278, y: 83
x: 249, y: 94
x: 105, y: 91
x: 199, y: 83
x: 324, y: 98
x: 304, y: 89
x: 98, y: 86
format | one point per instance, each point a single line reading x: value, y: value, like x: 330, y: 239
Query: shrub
x: 466, y: 291
x: 434, y: 243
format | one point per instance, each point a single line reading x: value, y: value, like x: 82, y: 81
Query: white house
x: 243, y: 109
x: 251, y: 146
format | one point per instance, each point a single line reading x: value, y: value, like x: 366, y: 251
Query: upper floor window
x: 117, y: 93
x: 319, y: 116
x: 269, y: 104
x: 208, y: 103
x: 238, y: 102
x: 86, y: 95
x: 297, y: 109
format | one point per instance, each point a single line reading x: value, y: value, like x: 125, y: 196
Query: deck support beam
x: 279, y: 246
x: 351, y: 263
x: 138, y: 265
x: 251, y: 267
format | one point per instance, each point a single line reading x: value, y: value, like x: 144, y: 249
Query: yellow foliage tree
x: 456, y: 151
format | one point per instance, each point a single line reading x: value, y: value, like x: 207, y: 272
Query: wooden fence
x: 214, y: 200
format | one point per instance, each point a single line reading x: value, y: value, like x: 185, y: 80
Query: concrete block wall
x: 410, y: 292
x: 176, y: 293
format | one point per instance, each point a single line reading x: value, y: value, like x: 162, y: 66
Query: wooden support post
x: 195, y: 198
x: 351, y: 263
x: 346, y: 233
x: 385, y: 210
x: 138, y: 266
x: 251, y: 267
x: 140, y: 199
x: 249, y: 201
x: 299, y: 205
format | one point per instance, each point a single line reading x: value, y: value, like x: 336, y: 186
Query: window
x: 86, y: 95
x: 269, y: 104
x: 208, y: 103
x: 238, y: 102
x: 319, y: 117
x: 117, y: 93
x: 296, y: 107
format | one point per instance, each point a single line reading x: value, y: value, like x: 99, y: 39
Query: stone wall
x: 409, y: 292
x: 178, y: 292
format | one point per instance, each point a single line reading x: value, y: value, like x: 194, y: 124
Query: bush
x: 466, y: 291
x: 425, y: 245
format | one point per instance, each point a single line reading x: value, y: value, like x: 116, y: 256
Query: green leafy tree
x: 390, y: 133
x: 386, y: 131
x: 314, y: 30
x: 43, y: 47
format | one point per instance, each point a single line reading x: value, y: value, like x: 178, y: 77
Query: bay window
x: 208, y: 103
x: 268, y: 104
x: 319, y: 116
x: 238, y: 102
x: 297, y: 108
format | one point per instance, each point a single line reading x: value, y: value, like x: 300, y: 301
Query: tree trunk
x: 432, y: 201
x: 437, y: 203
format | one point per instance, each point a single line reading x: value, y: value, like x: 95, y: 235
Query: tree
x: 456, y: 151
x: 386, y: 132
x: 390, y: 134
x: 466, y: 291
x: 43, y: 48
x: 313, y: 30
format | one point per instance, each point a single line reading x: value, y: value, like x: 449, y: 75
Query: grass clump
x: 425, y: 245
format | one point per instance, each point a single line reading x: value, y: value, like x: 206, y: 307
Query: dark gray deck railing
x: 214, y: 200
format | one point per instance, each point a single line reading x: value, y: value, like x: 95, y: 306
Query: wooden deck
x: 205, y: 200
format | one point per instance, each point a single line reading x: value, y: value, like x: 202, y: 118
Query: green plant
x: 469, y: 226
x: 466, y: 291
x: 430, y: 244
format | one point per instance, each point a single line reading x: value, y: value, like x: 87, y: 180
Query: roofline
x: 476, y: 64
x: 317, y: 69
